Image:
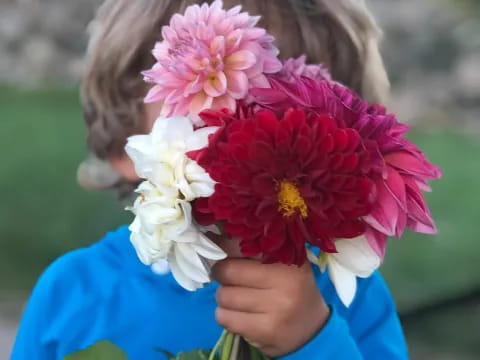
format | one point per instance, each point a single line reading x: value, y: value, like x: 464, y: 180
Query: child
x: 104, y: 293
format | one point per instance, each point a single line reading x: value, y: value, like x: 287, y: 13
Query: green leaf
x: 167, y: 354
x: 195, y: 355
x: 102, y: 350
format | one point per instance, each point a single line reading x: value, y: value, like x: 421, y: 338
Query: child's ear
x: 96, y: 174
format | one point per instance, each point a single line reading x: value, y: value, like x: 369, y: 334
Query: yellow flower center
x: 290, y: 200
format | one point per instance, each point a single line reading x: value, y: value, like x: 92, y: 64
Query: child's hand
x: 277, y: 308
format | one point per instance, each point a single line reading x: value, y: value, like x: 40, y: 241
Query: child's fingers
x: 241, y: 272
x: 252, y: 326
x: 241, y: 299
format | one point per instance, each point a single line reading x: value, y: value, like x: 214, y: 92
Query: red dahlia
x: 285, y: 180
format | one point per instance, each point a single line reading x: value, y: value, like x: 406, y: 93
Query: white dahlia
x: 354, y: 258
x: 163, y: 229
x: 160, y: 157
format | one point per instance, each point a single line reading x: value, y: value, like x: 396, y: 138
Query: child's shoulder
x: 113, y: 243
x: 95, y: 266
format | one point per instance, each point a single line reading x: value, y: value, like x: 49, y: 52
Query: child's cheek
x: 152, y: 110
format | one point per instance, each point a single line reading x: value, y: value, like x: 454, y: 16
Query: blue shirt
x: 103, y: 292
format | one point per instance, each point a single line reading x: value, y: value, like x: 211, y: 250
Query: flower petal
x: 190, y: 263
x: 224, y: 102
x: 139, y: 149
x: 200, y: 102
x: 259, y: 81
x: 217, y: 47
x: 240, y: 60
x: 199, y: 138
x: 174, y: 130
x: 237, y: 83
x: 202, y: 189
x: 161, y: 267
x: 182, y: 279
x: 344, y: 281
x: 357, y: 256
x: 385, y: 212
x: 208, y: 249
x: 395, y: 184
x: 377, y: 241
x: 161, y: 175
x: 216, y: 84
x: 156, y: 93
x: 411, y: 164
x: 271, y: 65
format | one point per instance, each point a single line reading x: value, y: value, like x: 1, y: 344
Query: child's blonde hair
x: 338, y: 33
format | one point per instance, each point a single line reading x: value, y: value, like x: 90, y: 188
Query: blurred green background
x: 432, y: 50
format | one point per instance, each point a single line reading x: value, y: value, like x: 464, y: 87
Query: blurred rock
x: 43, y: 41
x: 418, y: 34
x: 432, y: 52
x: 37, y: 54
x: 467, y: 73
x: 12, y: 25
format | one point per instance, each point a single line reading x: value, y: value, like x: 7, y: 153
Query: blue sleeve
x: 53, y: 308
x: 368, y: 330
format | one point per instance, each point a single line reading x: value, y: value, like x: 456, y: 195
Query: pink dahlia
x: 209, y: 58
x: 399, y: 169
x: 297, y: 67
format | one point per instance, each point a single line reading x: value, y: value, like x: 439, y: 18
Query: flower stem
x: 227, y: 346
x: 217, y: 345
x: 235, y: 348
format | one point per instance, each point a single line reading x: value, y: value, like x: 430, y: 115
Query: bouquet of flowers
x: 293, y: 165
